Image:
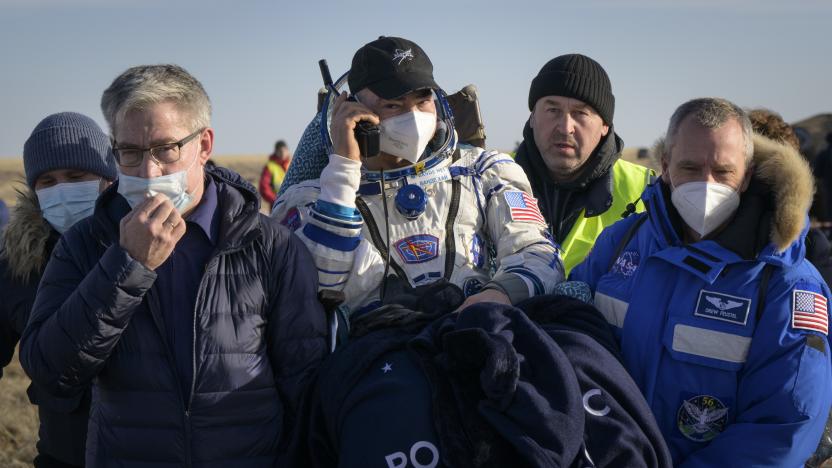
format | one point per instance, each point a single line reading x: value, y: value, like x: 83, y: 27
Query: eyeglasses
x: 168, y: 153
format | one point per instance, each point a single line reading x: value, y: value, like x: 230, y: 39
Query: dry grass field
x: 18, y: 418
x: 11, y: 176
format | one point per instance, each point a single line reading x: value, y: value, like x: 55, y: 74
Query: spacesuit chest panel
x: 420, y: 246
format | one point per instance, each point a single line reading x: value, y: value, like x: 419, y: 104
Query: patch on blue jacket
x: 292, y: 219
x: 719, y: 306
x: 810, y: 309
x: 419, y: 248
x: 626, y: 264
x: 702, y: 418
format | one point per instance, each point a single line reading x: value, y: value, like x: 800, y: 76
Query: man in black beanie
x: 571, y: 152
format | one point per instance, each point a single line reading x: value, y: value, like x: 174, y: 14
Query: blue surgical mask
x: 174, y: 186
x: 65, y: 204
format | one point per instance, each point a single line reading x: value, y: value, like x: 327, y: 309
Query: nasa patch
x: 724, y: 307
x: 626, y: 264
x: 419, y: 248
x: 702, y: 418
x: 292, y: 219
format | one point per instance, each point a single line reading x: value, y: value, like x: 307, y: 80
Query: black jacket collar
x: 591, y: 190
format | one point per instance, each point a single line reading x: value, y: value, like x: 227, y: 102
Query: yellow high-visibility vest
x: 628, y: 181
x: 277, y: 174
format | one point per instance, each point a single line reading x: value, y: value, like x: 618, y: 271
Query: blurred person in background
x: 4, y: 215
x: 68, y: 160
x: 274, y: 171
x: 823, y: 172
x: 770, y: 124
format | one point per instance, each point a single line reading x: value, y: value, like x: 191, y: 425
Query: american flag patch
x: 523, y: 207
x: 809, y: 311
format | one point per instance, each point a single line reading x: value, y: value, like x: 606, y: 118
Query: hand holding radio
x: 353, y: 129
x: 365, y: 141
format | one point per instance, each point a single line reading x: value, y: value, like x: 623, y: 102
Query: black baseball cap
x: 391, y: 67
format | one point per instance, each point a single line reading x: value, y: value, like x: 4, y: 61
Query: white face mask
x: 407, y: 135
x: 704, y: 206
x: 174, y: 186
x: 65, y: 204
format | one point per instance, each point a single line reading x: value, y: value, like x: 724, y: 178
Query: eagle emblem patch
x: 702, y: 418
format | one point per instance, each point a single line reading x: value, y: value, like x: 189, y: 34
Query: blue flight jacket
x: 735, y: 376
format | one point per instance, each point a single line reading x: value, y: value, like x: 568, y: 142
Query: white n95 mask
x: 65, y: 204
x: 704, y: 206
x: 407, y: 135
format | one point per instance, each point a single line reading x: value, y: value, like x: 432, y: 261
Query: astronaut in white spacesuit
x: 445, y: 210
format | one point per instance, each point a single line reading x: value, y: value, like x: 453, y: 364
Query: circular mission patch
x: 702, y: 418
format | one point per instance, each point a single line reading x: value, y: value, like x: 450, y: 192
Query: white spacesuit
x: 446, y: 215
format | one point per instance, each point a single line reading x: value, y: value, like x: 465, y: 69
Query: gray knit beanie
x: 576, y: 76
x: 68, y: 140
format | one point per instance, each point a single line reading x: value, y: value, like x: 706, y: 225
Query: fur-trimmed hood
x: 26, y: 239
x: 789, y: 178
x: 785, y: 175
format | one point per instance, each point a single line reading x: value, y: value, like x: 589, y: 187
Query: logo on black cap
x: 402, y: 55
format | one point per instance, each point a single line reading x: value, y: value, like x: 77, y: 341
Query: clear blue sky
x: 258, y: 58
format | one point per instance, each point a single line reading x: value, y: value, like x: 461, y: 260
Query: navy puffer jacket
x: 259, y: 333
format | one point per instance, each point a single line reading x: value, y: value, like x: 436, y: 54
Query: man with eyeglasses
x: 173, y: 298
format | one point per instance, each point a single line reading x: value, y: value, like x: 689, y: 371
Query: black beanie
x: 576, y: 76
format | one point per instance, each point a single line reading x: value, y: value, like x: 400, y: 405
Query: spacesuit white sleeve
x: 324, y: 216
x: 528, y: 263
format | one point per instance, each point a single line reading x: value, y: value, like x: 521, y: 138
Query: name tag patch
x: 719, y: 306
x: 430, y: 177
